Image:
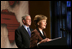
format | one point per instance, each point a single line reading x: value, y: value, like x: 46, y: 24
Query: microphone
x: 62, y: 29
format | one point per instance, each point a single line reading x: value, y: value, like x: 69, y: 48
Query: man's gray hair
x: 24, y: 17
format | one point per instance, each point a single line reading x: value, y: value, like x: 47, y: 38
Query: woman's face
x: 42, y: 24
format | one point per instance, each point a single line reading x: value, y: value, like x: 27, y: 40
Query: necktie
x: 29, y: 32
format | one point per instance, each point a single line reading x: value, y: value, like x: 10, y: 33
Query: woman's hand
x: 49, y: 39
x: 45, y: 40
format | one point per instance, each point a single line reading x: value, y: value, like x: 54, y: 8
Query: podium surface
x: 57, y: 42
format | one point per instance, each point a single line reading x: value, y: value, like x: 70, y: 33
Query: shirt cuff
x: 38, y: 44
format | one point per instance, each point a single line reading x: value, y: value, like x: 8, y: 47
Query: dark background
x: 59, y: 16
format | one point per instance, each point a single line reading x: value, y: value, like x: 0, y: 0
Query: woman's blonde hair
x: 38, y: 18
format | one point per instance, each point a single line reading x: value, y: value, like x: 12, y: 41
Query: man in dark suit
x: 23, y: 33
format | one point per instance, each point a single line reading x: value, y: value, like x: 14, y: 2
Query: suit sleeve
x: 33, y: 40
x: 18, y: 39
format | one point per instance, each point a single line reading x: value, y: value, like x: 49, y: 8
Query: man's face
x: 27, y: 22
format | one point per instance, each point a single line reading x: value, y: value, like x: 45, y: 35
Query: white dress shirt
x: 26, y: 27
x: 42, y: 34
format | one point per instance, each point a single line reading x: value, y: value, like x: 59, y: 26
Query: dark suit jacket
x: 36, y: 37
x: 22, y: 37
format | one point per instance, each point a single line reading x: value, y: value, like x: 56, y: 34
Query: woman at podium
x: 38, y: 36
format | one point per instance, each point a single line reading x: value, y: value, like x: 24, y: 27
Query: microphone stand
x: 67, y: 36
x: 65, y: 31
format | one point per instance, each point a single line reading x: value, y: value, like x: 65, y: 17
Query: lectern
x: 57, y: 42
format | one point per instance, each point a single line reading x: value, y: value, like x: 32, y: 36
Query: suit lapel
x: 25, y: 31
x: 31, y: 29
x: 43, y: 36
